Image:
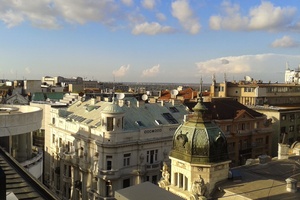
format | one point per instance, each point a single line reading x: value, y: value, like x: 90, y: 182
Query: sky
x: 169, y: 41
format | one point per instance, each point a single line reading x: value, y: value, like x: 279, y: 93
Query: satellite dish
x: 144, y: 97
x: 120, y: 96
x: 174, y: 92
x: 248, y: 78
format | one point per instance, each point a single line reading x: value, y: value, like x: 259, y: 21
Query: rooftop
x: 262, y: 181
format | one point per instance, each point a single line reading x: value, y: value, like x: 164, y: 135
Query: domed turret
x: 199, y: 140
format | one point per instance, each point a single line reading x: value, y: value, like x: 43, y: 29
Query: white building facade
x: 98, y: 147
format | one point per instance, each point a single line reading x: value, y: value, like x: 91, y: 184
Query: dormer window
x: 139, y: 123
x: 158, y: 122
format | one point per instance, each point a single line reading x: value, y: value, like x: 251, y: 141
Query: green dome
x: 198, y: 140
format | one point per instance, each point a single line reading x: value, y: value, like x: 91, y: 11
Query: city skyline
x: 149, y: 40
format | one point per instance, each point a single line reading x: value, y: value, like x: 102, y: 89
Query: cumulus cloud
x: 121, y: 71
x: 285, y: 42
x: 151, y: 29
x: 153, y: 71
x: 50, y: 13
x: 182, y: 11
x: 231, y: 19
x: 127, y: 2
x: 148, y: 4
x: 260, y: 67
x: 161, y: 16
x: 38, y: 13
x: 266, y: 16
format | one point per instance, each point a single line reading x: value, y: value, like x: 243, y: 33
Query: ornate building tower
x: 199, y: 157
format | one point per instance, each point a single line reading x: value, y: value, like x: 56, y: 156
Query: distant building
x: 285, y: 123
x: 251, y: 92
x: 98, y: 147
x: 249, y: 133
x: 292, y: 76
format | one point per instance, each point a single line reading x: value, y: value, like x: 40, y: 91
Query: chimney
x: 291, y: 185
x: 93, y: 101
x: 283, y: 151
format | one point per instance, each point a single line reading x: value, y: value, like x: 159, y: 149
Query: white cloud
x: 50, y: 13
x: 260, y: 67
x: 161, y: 16
x: 232, y: 19
x: 38, y: 13
x: 82, y: 11
x: 121, y: 71
x: 148, y: 4
x: 266, y: 16
x: 127, y: 2
x: 153, y: 71
x: 151, y: 29
x: 284, y: 42
x: 182, y: 11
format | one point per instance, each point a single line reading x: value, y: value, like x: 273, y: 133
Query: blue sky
x: 149, y: 40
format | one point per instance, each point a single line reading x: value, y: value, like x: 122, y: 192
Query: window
x: 126, y: 183
x: 173, y: 109
x: 292, y: 117
x: 126, y: 160
x: 139, y: 123
x: 109, y: 123
x: 53, y: 138
x: 152, y: 156
x: 108, y: 162
x: 283, y: 117
x: 243, y: 126
x: 291, y: 129
x: 158, y: 122
x: 228, y: 128
x: 170, y: 118
x: 154, y: 179
x: 53, y: 120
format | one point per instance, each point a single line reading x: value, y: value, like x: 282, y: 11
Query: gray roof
x: 146, y: 113
x: 262, y: 181
x: 145, y: 191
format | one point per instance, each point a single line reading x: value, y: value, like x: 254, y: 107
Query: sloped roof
x: 146, y: 113
x: 225, y: 108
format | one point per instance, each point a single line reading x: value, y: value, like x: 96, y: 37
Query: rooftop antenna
x: 113, y: 91
x: 200, y: 90
x: 287, y: 65
x: 225, y: 77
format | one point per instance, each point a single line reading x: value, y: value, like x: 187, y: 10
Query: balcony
x: 153, y: 166
x: 109, y: 174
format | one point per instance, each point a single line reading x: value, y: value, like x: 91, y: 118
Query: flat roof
x: 145, y: 191
x: 262, y: 181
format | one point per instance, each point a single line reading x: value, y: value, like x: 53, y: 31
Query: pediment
x: 243, y: 114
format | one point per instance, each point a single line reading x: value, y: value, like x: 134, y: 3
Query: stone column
x: 22, y: 148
